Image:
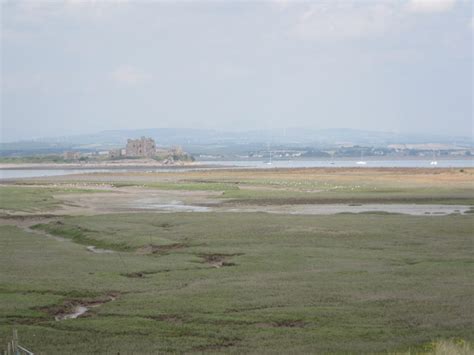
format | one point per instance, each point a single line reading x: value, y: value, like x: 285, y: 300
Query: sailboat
x: 434, y: 161
x: 361, y: 161
x: 269, y: 162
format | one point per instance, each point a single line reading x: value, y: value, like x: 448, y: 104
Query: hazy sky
x: 81, y: 66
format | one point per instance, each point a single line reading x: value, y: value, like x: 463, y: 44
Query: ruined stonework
x: 143, y: 147
x: 115, y: 153
x: 71, y: 155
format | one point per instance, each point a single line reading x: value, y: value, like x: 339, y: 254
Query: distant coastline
x: 134, y: 164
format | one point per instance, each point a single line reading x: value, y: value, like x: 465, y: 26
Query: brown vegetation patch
x: 283, y: 324
x: 26, y: 220
x: 23, y: 217
x: 170, y: 318
x: 218, y: 260
x: 142, y: 274
x: 134, y: 274
x: 161, y: 249
x: 210, y: 347
x: 166, y: 225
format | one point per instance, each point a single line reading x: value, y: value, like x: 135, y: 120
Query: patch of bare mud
x: 136, y: 199
x: 282, y: 324
x: 218, y: 260
x: 26, y: 220
x: 172, y: 206
x: 72, y: 309
x: 160, y: 249
x: 332, y: 209
x: 95, y: 250
x: 144, y: 274
x: 135, y: 275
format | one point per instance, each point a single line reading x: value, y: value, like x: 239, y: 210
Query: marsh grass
x: 81, y: 235
x: 452, y: 347
x: 32, y: 199
x: 348, y: 283
x: 381, y: 283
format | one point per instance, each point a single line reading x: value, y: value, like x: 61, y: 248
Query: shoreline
x: 95, y: 166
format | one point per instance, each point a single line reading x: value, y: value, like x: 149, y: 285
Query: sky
x: 83, y: 66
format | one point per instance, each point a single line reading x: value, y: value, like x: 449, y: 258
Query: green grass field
x: 286, y: 284
x: 237, y: 282
x: 33, y: 199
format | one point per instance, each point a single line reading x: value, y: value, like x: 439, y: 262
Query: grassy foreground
x: 238, y: 282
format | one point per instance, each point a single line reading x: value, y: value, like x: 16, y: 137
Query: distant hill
x: 206, y: 139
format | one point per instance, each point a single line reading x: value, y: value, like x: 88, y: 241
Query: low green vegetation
x: 239, y: 282
x: 418, y: 196
x: 449, y: 347
x: 32, y: 199
x: 232, y: 282
x: 83, y: 235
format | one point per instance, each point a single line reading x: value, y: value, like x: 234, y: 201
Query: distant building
x: 115, y: 153
x: 71, y: 155
x: 143, y: 147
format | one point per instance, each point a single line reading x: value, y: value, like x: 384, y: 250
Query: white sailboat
x: 269, y: 162
x: 434, y: 162
x: 361, y: 161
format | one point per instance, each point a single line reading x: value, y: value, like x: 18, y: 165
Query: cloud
x: 346, y: 20
x: 430, y: 6
x: 20, y: 81
x: 34, y: 12
x: 352, y: 20
x: 127, y: 75
x: 281, y: 4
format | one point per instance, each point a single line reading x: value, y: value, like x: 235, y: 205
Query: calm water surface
x: 462, y: 163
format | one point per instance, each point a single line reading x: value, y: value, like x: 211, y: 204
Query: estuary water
x: 408, y: 163
x: 30, y: 173
x: 6, y: 174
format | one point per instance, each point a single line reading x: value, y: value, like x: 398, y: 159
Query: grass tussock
x: 452, y: 347
x: 80, y: 235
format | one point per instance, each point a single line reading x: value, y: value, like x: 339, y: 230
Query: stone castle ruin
x: 142, y: 147
x: 145, y: 147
